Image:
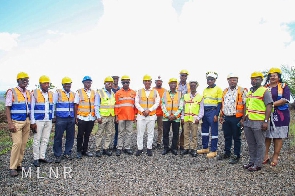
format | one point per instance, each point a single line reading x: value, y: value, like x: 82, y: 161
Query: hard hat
x: 194, y: 81
x: 66, y: 80
x: 275, y: 70
x: 172, y: 80
x: 86, y: 78
x: 232, y: 75
x: 125, y: 77
x: 184, y: 71
x: 44, y: 79
x: 115, y: 77
x: 147, y: 77
x: 21, y: 75
x: 108, y: 79
x: 211, y: 74
x: 256, y: 74
x: 158, y: 78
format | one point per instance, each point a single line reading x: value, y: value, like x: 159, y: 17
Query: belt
x: 209, y: 109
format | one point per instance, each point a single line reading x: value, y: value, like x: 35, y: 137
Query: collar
x: 212, y: 86
x: 236, y: 88
x: 171, y: 91
x: 87, y: 90
x: 65, y: 90
x: 183, y: 84
x: 147, y: 89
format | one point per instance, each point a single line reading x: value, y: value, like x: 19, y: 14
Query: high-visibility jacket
x: 107, y: 104
x: 39, y: 109
x: 281, y: 87
x: 187, y: 87
x: 191, y: 106
x: 212, y: 96
x: 147, y: 102
x: 255, y: 107
x: 86, y: 105
x: 19, y: 107
x: 238, y: 102
x: 65, y: 104
x: 171, y: 105
x: 125, y: 104
x: 161, y: 91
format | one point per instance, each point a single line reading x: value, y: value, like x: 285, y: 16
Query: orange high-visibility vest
x: 172, y: 104
x: 86, y: 105
x: 147, y: 102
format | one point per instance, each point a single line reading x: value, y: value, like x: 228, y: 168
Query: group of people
x: 262, y: 112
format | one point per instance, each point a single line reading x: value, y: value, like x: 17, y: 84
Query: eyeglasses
x: 125, y: 82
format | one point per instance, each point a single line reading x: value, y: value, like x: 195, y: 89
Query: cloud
x: 8, y: 41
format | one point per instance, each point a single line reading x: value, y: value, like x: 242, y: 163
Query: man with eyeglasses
x: 184, y: 87
x: 105, y: 117
x: 125, y: 112
x: 85, y: 103
x: 17, y: 105
x: 212, y: 104
x: 115, y: 88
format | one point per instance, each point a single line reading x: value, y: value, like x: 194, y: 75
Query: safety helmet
x: 86, y: 78
x: 194, y: 81
x: 232, y: 75
x: 172, y: 80
x: 275, y: 70
x: 184, y: 71
x: 66, y: 80
x: 211, y: 74
x: 147, y: 77
x: 21, y: 75
x: 44, y: 79
x: 256, y: 74
x: 108, y: 79
x: 125, y: 77
x: 157, y: 78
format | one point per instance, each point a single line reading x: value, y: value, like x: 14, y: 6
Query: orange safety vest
x: 239, y: 102
x: 124, y: 106
x: 147, y: 102
x: 86, y: 105
x: 172, y: 105
x: 161, y: 91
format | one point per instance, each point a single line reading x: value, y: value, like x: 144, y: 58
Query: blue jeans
x: 116, y: 135
x: 232, y: 132
x: 61, y: 125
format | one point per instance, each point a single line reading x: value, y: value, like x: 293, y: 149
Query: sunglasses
x: 125, y: 82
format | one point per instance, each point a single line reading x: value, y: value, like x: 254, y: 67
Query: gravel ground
x: 156, y: 175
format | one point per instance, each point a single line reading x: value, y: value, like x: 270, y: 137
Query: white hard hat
x: 211, y: 74
x: 232, y: 75
x: 158, y: 78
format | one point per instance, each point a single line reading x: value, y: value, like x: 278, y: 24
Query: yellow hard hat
x: 21, y: 75
x: 125, y: 77
x: 232, y: 75
x: 108, y: 79
x: 66, y: 80
x: 147, y: 77
x: 172, y: 80
x: 44, y: 79
x: 275, y: 70
x: 184, y: 71
x: 256, y: 74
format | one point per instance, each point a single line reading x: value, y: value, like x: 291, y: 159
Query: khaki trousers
x: 105, y: 129
x: 41, y: 138
x: 125, y: 130
x: 19, y: 138
x: 190, y: 129
x: 160, y: 129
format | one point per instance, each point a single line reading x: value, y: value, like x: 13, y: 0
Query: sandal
x: 273, y: 164
x: 266, y: 161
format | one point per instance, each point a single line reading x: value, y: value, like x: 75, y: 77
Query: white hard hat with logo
x: 232, y: 75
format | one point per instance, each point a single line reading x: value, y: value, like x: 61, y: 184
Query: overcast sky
x: 136, y: 37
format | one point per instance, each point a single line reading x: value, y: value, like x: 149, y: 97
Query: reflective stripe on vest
x: 39, y: 109
x: 147, y: 102
x: 18, y: 108
x: 86, y: 105
x: 255, y: 105
x: 239, y: 101
x: 191, y: 107
x: 211, y: 96
x: 106, y: 104
x: 65, y: 104
x: 172, y: 104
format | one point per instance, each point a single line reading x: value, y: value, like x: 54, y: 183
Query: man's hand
x: 34, y: 127
x: 116, y: 119
x: 197, y: 121
x: 215, y: 119
x: 264, y: 126
x: 54, y: 120
x: 99, y: 120
x: 146, y: 112
x: 221, y: 119
x: 182, y: 121
x: 11, y: 127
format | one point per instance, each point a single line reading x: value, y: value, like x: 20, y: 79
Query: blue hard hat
x: 86, y: 78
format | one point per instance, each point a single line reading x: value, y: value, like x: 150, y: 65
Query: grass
x: 292, y: 128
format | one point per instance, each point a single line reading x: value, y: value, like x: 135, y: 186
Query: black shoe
x: 98, y: 153
x: 181, y: 148
x: 128, y: 151
x: 118, y: 152
x: 79, y: 155
x: 13, y: 173
x: 223, y: 156
x: 107, y: 152
x: 88, y: 154
x: 139, y: 152
x: 114, y: 148
x: 158, y: 146
x: 254, y: 168
x: 165, y: 151
x: 57, y: 159
x: 193, y: 153
x: 149, y: 152
x: 234, y: 159
x: 184, y: 152
x: 246, y: 166
x: 36, y: 163
x: 68, y: 156
x: 45, y: 160
x: 174, y: 151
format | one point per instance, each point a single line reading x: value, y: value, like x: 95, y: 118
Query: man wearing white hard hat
x: 231, y: 113
x: 212, y: 104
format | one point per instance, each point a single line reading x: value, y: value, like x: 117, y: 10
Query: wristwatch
x: 266, y: 121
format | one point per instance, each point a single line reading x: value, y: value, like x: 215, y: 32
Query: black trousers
x: 175, y: 131
x: 84, y: 131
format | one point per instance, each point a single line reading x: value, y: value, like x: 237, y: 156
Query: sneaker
x: 212, y: 154
x: 223, y: 156
x: 149, y: 152
x: 234, y: 159
x: 203, y: 151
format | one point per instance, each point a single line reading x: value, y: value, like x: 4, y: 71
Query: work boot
x: 36, y: 163
x: 57, y: 159
x: 13, y: 173
x: 128, y: 151
x: 139, y: 152
x: 193, y: 153
x: 234, y: 159
x: 98, y: 153
x: 165, y: 151
x: 211, y: 154
x: 223, y: 156
x: 107, y: 152
x: 174, y: 151
x: 149, y: 152
x: 203, y: 151
x: 184, y: 152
